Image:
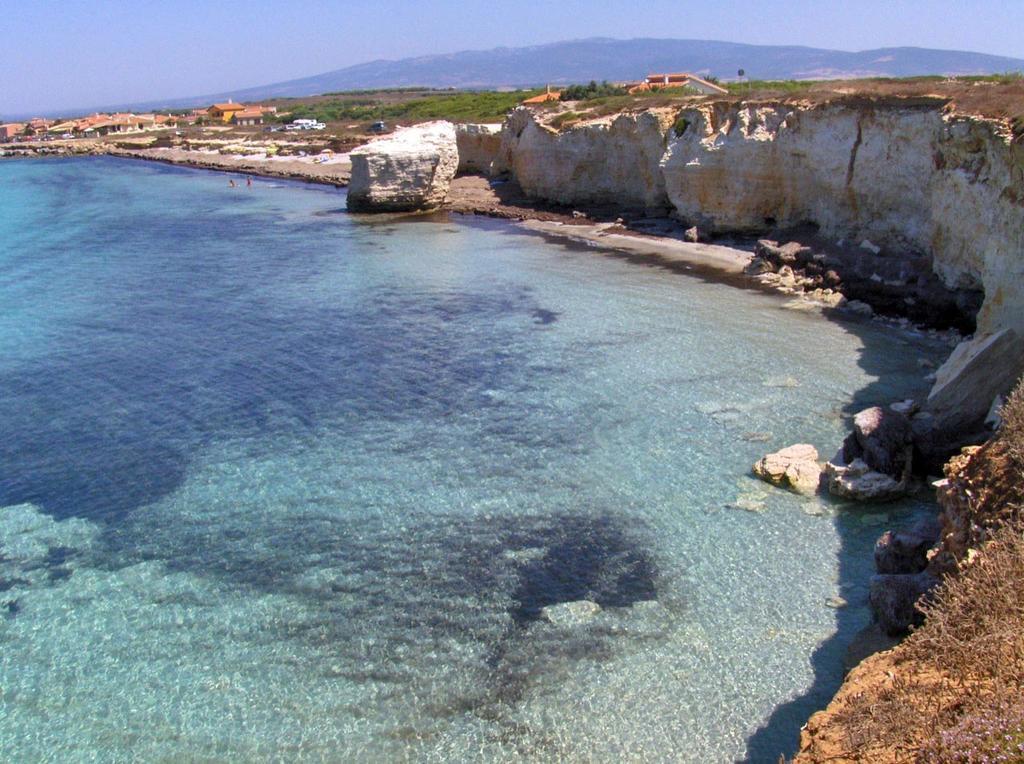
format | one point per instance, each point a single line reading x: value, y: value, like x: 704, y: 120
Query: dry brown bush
x: 974, y: 628
x: 1012, y: 432
x: 954, y: 690
x: 949, y: 675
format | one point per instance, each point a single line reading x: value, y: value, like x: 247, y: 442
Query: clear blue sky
x: 56, y: 55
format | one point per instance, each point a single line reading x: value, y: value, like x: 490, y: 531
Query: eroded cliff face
x: 478, y: 145
x: 905, y: 177
x: 613, y: 161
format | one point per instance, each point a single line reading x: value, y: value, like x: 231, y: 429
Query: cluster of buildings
x: 91, y: 126
x: 649, y: 83
x: 104, y: 124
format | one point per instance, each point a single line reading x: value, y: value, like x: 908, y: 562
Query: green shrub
x: 564, y: 119
x: 593, y: 89
x: 458, y: 106
x: 779, y: 86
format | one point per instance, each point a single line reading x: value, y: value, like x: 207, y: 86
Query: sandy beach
x: 658, y: 238
x: 331, y: 169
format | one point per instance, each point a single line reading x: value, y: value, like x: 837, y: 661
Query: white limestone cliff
x: 409, y: 170
x: 614, y: 161
x: 478, y: 146
x: 902, y: 176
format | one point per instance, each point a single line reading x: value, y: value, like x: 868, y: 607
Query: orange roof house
x: 37, y: 126
x: 249, y: 116
x: 224, y: 111
x: 678, y: 80
x: 62, y: 127
x: 549, y: 95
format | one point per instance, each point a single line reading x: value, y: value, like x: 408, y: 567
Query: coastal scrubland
x: 954, y: 690
x: 997, y: 97
x: 405, y: 105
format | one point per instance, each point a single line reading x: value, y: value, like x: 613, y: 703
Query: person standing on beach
x: 248, y: 180
x: 231, y: 183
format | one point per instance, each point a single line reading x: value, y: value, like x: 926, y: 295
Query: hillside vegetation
x: 410, y: 106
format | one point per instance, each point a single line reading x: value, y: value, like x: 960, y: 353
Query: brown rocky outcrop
x: 875, y: 461
x: 893, y: 705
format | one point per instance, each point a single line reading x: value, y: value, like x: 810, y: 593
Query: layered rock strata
x: 925, y: 208
x: 408, y: 171
x: 908, y: 178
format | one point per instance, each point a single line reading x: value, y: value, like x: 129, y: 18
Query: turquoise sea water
x: 285, y: 485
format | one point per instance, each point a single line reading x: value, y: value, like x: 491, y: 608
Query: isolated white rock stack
x: 407, y: 171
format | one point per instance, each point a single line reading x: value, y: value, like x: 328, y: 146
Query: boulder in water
x: 904, y: 551
x: 795, y: 467
x: 976, y: 372
x: 570, y: 614
x: 880, y: 437
x: 858, y: 482
x: 894, y: 600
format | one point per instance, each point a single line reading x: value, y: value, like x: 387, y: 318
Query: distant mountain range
x: 605, y: 58
x: 602, y: 58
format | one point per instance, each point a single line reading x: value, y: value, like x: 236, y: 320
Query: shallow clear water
x: 282, y: 484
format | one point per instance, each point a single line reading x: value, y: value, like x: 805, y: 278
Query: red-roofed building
x: 224, y: 112
x: 248, y: 117
x: 678, y: 80
x: 548, y: 95
x: 11, y: 129
x: 37, y: 126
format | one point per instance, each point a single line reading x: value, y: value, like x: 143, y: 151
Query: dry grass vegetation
x: 955, y: 689
x: 1013, y: 429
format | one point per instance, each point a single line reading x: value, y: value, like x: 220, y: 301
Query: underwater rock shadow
x: 395, y: 601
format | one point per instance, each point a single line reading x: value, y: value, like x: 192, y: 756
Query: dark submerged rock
x: 894, y: 600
